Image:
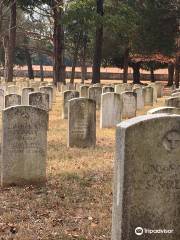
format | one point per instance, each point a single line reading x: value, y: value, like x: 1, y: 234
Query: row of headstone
x: 42, y: 99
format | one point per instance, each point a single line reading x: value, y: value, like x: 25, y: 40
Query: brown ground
x: 103, y: 70
x: 77, y: 200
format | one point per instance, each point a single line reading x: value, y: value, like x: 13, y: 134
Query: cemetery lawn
x: 77, y: 199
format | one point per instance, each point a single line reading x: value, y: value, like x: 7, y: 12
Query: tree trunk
x: 83, y: 60
x: 74, y: 63
x: 29, y: 64
x: 96, y: 70
x: 177, y: 67
x: 58, y: 39
x: 11, y: 43
x: 41, y: 67
x: 152, y: 75
x: 1, y: 7
x: 136, y: 73
x: 170, y: 74
x: 126, y: 61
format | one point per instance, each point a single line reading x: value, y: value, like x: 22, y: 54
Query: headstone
x: 70, y: 86
x: 12, y: 100
x: 177, y: 90
x: 147, y: 180
x: 111, y: 109
x: 48, y: 90
x: 148, y: 96
x: 39, y: 100
x: 106, y: 89
x: 68, y: 95
x: 160, y: 89
x: 12, y: 89
x: 84, y: 91
x: 177, y: 94
x: 154, y: 86
x: 25, y: 95
x: 129, y: 104
x: 119, y: 88
x: 35, y: 85
x: 95, y: 94
x: 173, y: 102
x: 24, y: 145
x: 1, y: 99
x: 82, y: 123
x: 168, y: 110
x: 140, y: 98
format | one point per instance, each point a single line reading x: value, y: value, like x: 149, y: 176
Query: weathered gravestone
x: 148, y: 96
x: 168, y: 110
x: 154, y: 86
x: 25, y: 95
x: 147, y: 179
x: 12, y: 89
x: 111, y: 110
x: 54, y: 91
x: 173, y: 102
x: 35, y: 85
x: 48, y: 90
x: 129, y: 104
x: 177, y: 94
x: 82, y: 123
x: 119, y: 88
x: 68, y: 95
x: 95, y: 94
x: 39, y: 100
x: 24, y: 145
x: 140, y: 98
x: 12, y: 100
x: 84, y: 91
x: 107, y: 89
x: 1, y: 99
x: 177, y: 90
x: 160, y: 88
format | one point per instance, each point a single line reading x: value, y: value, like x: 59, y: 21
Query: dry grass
x: 76, y: 202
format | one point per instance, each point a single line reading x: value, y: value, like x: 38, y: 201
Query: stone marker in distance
x: 81, y: 123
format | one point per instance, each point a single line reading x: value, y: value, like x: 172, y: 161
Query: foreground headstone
x: 48, y: 90
x: 129, y: 104
x: 12, y: 100
x: 111, y: 109
x: 173, y: 102
x: 39, y: 100
x: 95, y: 94
x: 82, y: 123
x: 148, y: 96
x: 68, y: 95
x: 25, y: 95
x: 24, y: 145
x: 147, y: 179
x: 168, y: 110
